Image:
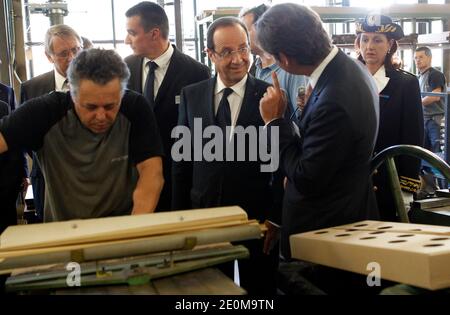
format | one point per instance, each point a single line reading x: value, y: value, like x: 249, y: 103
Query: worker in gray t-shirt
x: 98, y: 145
x: 430, y: 80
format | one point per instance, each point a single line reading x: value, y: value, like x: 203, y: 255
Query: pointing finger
x: 276, y: 84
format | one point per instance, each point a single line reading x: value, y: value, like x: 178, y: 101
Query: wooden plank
x: 404, y: 255
x: 378, y: 226
x: 431, y: 203
x: 203, y: 282
x: 104, y: 229
x: 122, y: 248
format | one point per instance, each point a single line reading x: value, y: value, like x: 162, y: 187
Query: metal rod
x: 396, y: 190
x: 178, y: 26
x: 113, y: 20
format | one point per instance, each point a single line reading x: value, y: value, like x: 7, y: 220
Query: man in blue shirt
x: 265, y: 64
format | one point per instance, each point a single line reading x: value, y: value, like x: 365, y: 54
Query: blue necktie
x: 149, y: 88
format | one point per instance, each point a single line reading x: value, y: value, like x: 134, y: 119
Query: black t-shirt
x: 436, y: 79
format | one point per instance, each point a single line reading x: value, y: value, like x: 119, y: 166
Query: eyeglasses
x: 227, y: 54
x: 65, y: 53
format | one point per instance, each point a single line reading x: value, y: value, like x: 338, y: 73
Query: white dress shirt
x: 235, y: 99
x: 381, y: 79
x: 315, y: 76
x: 163, y: 62
x: 59, y: 82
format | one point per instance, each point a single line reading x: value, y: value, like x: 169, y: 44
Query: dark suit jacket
x: 182, y: 71
x: 328, y: 167
x: 401, y: 122
x: 7, y: 96
x: 202, y: 184
x: 37, y: 86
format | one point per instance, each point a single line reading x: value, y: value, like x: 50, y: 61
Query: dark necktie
x: 149, y: 88
x: 223, y: 117
x: 65, y: 86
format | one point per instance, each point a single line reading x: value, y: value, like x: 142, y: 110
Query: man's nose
x: 127, y: 39
x: 236, y: 57
x: 100, y: 114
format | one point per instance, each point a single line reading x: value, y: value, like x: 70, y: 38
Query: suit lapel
x: 328, y: 74
x: 209, y: 102
x: 248, y: 110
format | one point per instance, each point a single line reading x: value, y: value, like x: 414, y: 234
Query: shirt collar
x: 315, y: 76
x: 381, y: 79
x: 163, y: 60
x: 258, y: 64
x: 59, y: 81
x: 238, y: 88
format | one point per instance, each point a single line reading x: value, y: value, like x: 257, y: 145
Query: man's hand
x: 273, y: 104
x: 272, y: 237
x: 25, y: 184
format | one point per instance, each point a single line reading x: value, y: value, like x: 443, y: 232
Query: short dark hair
x: 294, y: 30
x: 98, y: 65
x: 219, y: 23
x: 256, y: 11
x: 426, y: 50
x: 152, y: 15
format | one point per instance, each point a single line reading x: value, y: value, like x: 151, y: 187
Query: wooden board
x: 121, y: 248
x: 379, y: 226
x: 208, y: 281
x: 414, y: 254
x: 113, y: 228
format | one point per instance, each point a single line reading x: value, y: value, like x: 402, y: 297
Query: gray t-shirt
x: 430, y: 80
x: 87, y: 175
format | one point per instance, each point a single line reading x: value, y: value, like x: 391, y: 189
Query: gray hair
x: 60, y: 30
x: 98, y: 65
x: 256, y: 11
x: 294, y: 30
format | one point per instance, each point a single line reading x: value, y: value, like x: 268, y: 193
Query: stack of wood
x: 413, y: 254
x: 114, y: 237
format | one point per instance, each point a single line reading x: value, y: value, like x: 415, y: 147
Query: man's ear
x: 283, y: 60
x: 155, y: 33
x: 211, y: 55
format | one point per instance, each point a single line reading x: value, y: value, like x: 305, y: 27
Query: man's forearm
x: 428, y: 100
x: 3, y: 144
x: 149, y: 186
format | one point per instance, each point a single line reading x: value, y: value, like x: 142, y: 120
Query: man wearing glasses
x: 230, y: 99
x: 61, y: 44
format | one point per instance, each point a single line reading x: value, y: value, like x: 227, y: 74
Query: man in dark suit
x: 328, y: 166
x: 229, y: 99
x: 159, y: 71
x: 62, y: 44
x: 7, y: 96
